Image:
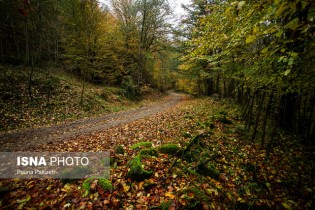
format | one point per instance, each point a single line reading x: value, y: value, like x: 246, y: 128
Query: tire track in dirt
x: 63, y: 132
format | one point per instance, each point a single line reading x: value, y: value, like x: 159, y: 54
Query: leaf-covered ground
x: 246, y: 180
x: 56, y: 97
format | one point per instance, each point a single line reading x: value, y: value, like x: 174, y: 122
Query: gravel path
x: 46, y: 135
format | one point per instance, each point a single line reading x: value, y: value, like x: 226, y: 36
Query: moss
x: 136, y: 171
x: 148, y: 152
x: 105, y: 184
x: 87, y: 184
x: 146, y: 144
x: 170, y: 149
x: 120, y: 150
x: 208, y: 170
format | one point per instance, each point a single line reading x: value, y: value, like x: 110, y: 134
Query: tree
x: 260, y: 49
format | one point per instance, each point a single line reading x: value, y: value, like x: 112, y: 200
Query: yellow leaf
x: 255, y: 30
x: 285, y: 205
x: 182, y: 201
x: 141, y: 184
x: 126, y: 188
x: 247, y: 191
x: 265, y: 50
x: 170, y: 195
x: 250, y: 39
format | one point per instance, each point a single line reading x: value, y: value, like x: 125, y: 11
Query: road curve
x: 33, y: 137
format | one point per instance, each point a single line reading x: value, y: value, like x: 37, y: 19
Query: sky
x: 176, y: 7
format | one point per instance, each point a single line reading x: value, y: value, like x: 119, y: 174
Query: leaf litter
x: 246, y: 179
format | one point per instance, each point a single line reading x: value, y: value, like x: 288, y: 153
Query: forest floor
x: 241, y: 176
x: 30, y: 138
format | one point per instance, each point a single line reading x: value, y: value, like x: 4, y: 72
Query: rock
x: 170, y: 149
x: 105, y: 184
x: 136, y: 171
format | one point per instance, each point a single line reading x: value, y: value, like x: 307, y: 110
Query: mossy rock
x: 105, y: 184
x: 87, y: 184
x: 119, y: 150
x: 170, y: 149
x: 148, y: 153
x: 136, y: 171
x: 208, y: 170
x: 102, y: 182
x: 146, y: 144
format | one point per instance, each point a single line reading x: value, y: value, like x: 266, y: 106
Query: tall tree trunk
x: 30, y: 81
x: 258, y: 114
x: 274, y: 127
x: 265, y: 119
x: 27, y: 44
x: 2, y: 53
x: 217, y: 87
x: 250, y: 112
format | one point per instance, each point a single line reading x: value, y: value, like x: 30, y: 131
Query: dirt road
x: 46, y: 135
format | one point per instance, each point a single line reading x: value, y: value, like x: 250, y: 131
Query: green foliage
x: 170, y: 149
x: 148, y: 152
x: 253, y: 47
x: 141, y: 144
x: 130, y: 89
x: 136, y: 171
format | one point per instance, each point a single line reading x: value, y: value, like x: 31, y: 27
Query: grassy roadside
x: 54, y: 97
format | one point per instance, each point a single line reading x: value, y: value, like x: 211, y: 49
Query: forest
x: 225, y: 98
